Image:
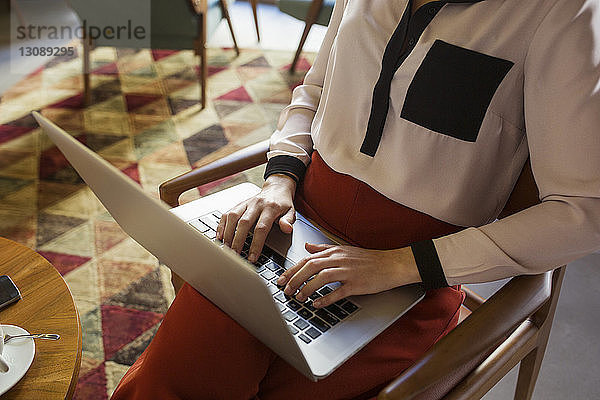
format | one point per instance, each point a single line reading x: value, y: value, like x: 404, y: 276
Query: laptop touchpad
x: 292, y: 246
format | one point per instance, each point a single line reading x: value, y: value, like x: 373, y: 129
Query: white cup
x: 3, y: 364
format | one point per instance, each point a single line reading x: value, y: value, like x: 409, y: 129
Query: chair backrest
x: 525, y: 193
x: 299, y: 9
x: 174, y: 24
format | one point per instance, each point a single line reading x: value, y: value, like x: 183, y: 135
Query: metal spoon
x: 48, y: 336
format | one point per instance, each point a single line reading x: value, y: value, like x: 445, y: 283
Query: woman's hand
x: 360, y: 271
x: 275, y: 200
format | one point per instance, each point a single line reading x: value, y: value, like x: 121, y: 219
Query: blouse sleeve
x: 562, y: 114
x: 291, y: 144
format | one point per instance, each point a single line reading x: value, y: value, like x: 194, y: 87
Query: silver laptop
x: 315, y: 342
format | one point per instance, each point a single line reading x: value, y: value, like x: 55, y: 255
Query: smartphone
x: 9, y: 293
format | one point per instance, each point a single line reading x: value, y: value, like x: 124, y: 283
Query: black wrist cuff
x: 286, y: 165
x: 428, y: 264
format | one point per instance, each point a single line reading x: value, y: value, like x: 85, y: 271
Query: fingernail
x: 288, y: 291
x: 252, y: 257
x: 300, y: 298
x: 281, y: 280
x: 219, y: 235
x: 317, y: 303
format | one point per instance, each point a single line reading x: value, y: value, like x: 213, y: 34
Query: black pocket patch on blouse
x: 452, y: 89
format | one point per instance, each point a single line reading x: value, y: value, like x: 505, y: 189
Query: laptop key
x: 211, y: 234
x: 294, y: 305
x: 305, y: 338
x: 280, y: 287
x: 279, y: 271
x: 278, y: 258
x: 267, y: 252
x: 263, y: 260
x: 319, y: 324
x: 268, y: 275
x: 313, y: 333
x: 301, y: 324
x: 272, y: 289
x: 314, y: 296
x: 260, y: 269
x: 269, y: 264
x: 201, y: 226
x: 327, y: 317
x: 293, y: 329
x: 325, y: 291
x: 258, y: 264
x: 349, y: 307
x: 289, y: 316
x: 335, y: 310
x: 308, y: 304
x: 279, y: 297
x: 304, y: 313
x: 210, y: 221
x: 281, y: 307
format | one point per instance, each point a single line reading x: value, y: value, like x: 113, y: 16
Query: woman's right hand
x: 274, y: 201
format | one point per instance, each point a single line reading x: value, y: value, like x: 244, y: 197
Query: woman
x: 414, y: 122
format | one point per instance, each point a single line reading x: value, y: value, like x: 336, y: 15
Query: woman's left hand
x: 360, y: 271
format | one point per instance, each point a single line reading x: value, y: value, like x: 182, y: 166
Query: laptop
x: 315, y: 342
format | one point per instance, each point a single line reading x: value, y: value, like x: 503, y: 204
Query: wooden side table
x: 46, y: 306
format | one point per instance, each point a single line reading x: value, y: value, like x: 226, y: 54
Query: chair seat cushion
x: 299, y: 8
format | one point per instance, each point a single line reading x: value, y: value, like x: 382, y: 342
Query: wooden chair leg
x: 528, y: 373
x: 200, y: 49
x: 311, y: 17
x: 531, y: 364
x: 87, y: 93
x: 254, y: 11
x: 203, y: 75
x: 226, y: 15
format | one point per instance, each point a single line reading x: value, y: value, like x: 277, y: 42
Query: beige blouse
x: 482, y: 86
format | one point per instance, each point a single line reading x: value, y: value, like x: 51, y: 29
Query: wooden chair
x: 174, y: 25
x: 311, y: 12
x: 512, y: 326
x: 254, y: 4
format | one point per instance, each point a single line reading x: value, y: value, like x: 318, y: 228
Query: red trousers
x: 201, y: 353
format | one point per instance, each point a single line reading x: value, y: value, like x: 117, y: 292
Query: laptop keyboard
x: 304, y: 321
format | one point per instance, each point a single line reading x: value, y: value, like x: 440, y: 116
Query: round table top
x: 46, y: 307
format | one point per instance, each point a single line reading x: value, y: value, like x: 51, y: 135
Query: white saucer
x: 19, y: 354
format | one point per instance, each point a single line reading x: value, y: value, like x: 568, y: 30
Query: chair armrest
x: 455, y: 355
x: 472, y: 300
x: 239, y: 161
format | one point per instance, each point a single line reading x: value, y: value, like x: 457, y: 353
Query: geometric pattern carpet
x: 145, y: 119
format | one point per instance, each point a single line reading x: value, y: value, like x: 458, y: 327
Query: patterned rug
x: 145, y: 119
